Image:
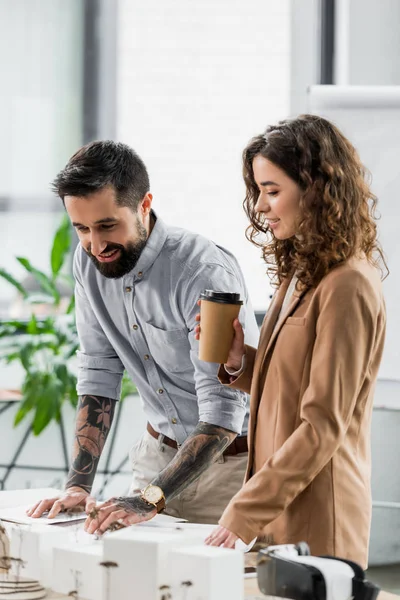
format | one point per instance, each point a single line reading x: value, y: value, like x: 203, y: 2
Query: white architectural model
x: 146, y: 562
x: 206, y: 573
x: 13, y: 586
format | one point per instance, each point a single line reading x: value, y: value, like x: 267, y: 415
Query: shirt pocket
x: 169, y: 348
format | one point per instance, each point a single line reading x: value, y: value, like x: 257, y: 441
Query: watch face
x: 153, y: 494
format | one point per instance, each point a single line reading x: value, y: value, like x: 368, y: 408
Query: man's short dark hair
x: 101, y: 164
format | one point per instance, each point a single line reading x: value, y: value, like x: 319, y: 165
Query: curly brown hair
x: 337, y: 207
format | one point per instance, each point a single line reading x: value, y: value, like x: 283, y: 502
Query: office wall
x: 367, y: 42
x: 195, y: 82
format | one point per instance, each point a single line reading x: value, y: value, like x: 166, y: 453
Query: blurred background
x: 186, y: 84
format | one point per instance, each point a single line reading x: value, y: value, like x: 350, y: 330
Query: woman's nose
x: 261, y: 204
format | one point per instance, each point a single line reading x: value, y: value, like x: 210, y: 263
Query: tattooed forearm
x: 202, y: 448
x: 134, y: 504
x: 93, y: 423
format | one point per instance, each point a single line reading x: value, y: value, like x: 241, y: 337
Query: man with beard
x: 137, y: 285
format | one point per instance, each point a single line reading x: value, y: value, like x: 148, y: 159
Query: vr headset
x: 288, y: 571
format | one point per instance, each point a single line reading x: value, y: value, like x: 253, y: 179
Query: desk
x: 251, y: 592
x: 250, y: 585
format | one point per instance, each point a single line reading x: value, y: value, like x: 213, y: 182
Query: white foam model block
x: 206, y: 573
x: 78, y: 569
x: 141, y: 558
x: 34, y: 545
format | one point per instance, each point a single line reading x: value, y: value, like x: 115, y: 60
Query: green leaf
x: 43, y: 280
x: 10, y: 328
x: 8, y: 277
x: 73, y: 394
x: 128, y: 387
x: 23, y: 410
x: 26, y: 355
x: 71, y: 305
x: 48, y: 403
x: 30, y: 389
x: 11, y: 357
x: 61, y: 246
x: 20, y: 325
x: 32, y: 327
x: 62, y: 374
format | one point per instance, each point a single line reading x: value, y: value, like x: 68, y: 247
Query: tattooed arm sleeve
x: 93, y: 423
x: 202, y: 448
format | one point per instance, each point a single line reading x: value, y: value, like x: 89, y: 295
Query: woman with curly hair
x: 312, y: 377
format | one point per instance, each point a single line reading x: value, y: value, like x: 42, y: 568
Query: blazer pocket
x: 299, y: 321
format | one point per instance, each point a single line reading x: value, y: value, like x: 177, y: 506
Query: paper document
x: 11, y: 498
x: 18, y: 515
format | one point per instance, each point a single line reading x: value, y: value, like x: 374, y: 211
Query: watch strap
x: 160, y: 505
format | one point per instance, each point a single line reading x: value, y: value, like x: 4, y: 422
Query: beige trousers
x: 204, y: 500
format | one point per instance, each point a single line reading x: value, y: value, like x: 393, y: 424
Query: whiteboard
x: 370, y: 117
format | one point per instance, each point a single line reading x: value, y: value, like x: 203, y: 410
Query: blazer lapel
x: 265, y: 335
x: 270, y: 322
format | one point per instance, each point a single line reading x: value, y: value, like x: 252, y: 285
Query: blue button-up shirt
x: 144, y: 322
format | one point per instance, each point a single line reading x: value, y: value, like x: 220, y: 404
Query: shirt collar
x: 152, y: 249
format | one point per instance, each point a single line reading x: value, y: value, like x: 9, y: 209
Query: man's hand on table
x: 121, y: 511
x: 222, y: 537
x: 73, y: 497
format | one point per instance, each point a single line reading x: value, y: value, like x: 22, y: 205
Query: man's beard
x: 129, y: 256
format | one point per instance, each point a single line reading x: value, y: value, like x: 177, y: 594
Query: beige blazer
x: 311, y: 383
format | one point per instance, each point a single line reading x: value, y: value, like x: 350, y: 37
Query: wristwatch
x: 152, y: 494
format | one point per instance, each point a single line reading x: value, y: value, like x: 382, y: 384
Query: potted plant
x: 45, y: 346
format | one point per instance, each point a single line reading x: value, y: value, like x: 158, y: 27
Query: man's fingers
x: 60, y: 505
x: 92, y: 524
x: 42, y: 507
x: 32, y: 509
x: 114, y: 516
x: 90, y: 504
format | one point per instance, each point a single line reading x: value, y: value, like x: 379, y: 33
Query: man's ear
x: 145, y: 205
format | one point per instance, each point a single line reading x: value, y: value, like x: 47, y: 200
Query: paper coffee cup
x: 218, y: 310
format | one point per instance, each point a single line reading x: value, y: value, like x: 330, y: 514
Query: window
x: 195, y: 82
x: 40, y: 121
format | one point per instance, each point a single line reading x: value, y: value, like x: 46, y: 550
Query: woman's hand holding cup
x: 237, y: 350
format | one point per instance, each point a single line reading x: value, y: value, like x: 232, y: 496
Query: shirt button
x: 135, y: 327
x: 174, y: 421
x: 160, y: 391
x: 140, y: 273
x: 146, y: 357
x: 128, y: 289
